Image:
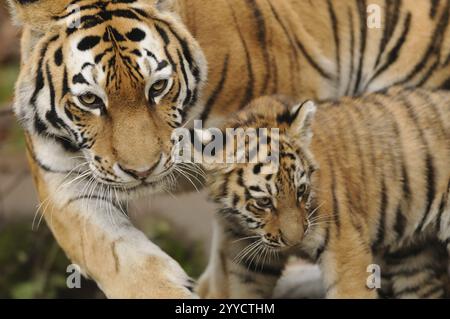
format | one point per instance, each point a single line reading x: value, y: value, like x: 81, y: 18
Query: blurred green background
x: 31, y: 263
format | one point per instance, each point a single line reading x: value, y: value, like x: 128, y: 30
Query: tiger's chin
x: 139, y: 188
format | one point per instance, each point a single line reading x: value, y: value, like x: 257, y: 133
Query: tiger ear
x: 301, y: 121
x: 36, y: 14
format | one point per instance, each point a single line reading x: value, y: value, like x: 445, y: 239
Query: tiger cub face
x: 257, y: 201
x: 109, y: 80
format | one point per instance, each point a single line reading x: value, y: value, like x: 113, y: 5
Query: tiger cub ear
x: 302, y: 116
x: 37, y: 14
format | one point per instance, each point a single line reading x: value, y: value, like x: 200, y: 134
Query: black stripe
x: 405, y: 182
x: 125, y: 14
x: 39, y: 82
x: 352, y: 52
x: 393, y: 54
x: 392, y: 12
x: 26, y: 2
x: 430, y: 174
x: 163, y: 34
x: 113, y: 35
x: 434, y: 7
x: 411, y: 290
x: 88, y: 43
x: 433, y: 291
x: 336, y: 211
x: 58, y: 57
x: 335, y: 27
x: 431, y: 189
x: 255, y: 188
x: 248, y: 95
x: 55, y: 120
x: 136, y: 35
x: 434, y: 47
x: 39, y: 126
x: 382, y: 221
x: 400, y: 223
x: 396, y: 257
x: 311, y: 61
x: 51, y: 115
x: 324, y: 245
x: 79, y: 79
x: 185, y: 49
x: 362, y: 7
x: 217, y: 90
x: 441, y: 211
x: 65, y: 87
x: 406, y: 273
x: 186, y: 79
x: 240, y: 177
x: 261, y: 36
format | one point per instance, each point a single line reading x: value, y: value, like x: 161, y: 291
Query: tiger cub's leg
x: 418, y: 271
x: 344, y: 266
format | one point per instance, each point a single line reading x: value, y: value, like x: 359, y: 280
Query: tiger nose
x: 137, y: 173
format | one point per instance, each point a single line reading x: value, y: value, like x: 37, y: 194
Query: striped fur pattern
x: 102, y: 86
x: 321, y: 49
x: 112, y: 79
x: 83, y: 94
x: 371, y: 185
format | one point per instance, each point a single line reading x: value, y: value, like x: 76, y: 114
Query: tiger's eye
x: 301, y: 190
x: 90, y: 100
x: 158, y: 88
x: 264, y: 202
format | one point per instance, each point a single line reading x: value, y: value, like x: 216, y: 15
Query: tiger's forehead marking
x: 123, y: 55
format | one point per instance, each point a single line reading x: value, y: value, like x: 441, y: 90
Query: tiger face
x: 270, y: 207
x: 110, y: 80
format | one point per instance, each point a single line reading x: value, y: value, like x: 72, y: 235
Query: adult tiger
x: 103, y: 83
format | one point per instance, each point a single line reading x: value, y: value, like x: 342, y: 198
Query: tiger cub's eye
x: 90, y: 100
x: 301, y: 190
x: 264, y: 203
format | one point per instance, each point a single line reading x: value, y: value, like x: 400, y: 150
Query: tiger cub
x: 361, y: 184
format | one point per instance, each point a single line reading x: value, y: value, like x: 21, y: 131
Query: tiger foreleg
x: 98, y: 238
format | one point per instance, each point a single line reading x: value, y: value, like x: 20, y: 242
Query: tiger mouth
x: 275, y: 246
x: 162, y: 179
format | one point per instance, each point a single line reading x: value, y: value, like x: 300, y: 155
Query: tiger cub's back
x: 388, y: 156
